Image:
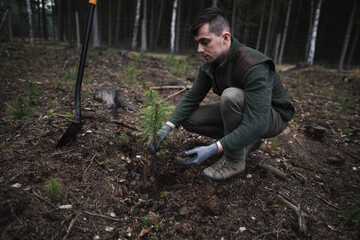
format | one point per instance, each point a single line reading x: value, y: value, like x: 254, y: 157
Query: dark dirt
x: 114, y: 186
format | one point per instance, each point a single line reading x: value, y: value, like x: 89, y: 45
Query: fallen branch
x: 43, y: 199
x: 123, y: 124
x: 170, y: 87
x: 71, y: 225
x: 294, y: 136
x: 177, y: 93
x: 103, y: 216
x: 301, y: 219
x: 273, y: 170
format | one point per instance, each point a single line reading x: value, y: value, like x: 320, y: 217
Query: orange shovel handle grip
x: 93, y: 1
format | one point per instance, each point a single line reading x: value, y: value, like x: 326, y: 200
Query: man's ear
x: 226, y: 37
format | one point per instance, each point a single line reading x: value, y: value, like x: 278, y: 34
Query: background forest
x: 288, y: 31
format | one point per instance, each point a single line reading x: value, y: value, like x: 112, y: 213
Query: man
x: 253, y: 103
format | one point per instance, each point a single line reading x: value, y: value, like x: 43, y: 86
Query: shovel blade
x: 69, y: 134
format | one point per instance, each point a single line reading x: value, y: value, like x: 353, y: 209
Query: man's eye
x: 205, y: 43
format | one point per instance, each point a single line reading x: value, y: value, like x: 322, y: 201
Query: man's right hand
x: 154, y: 144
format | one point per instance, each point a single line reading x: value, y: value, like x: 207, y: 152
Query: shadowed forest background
x: 106, y: 184
x: 281, y: 29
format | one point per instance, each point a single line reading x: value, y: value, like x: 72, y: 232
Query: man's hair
x: 216, y: 19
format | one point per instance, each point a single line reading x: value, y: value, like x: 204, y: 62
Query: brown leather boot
x: 230, y: 165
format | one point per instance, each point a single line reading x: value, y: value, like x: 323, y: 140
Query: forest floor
x: 110, y: 187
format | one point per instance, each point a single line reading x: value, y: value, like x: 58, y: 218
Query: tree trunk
x: 261, y: 26
x: 353, y: 48
x: 285, y: 33
x: 44, y: 23
x: 53, y: 14
x: 173, y: 21
x: 159, y: 22
x: 269, y: 28
x: 178, y: 22
x: 113, y: 98
x: 95, y: 27
x: 233, y: 18
x: 109, y: 24
x: 31, y: 29
x: 277, y: 45
x: 294, y: 30
x: 144, y: 28
x: 310, y: 60
x: 20, y: 20
x: 38, y: 19
x: 117, y: 23
x: 78, y: 40
x: 311, y: 22
x: 347, y: 37
x: 136, y: 25
x: 61, y: 20
x: 9, y: 21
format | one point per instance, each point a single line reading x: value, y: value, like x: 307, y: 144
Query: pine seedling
x: 152, y: 115
x: 52, y: 188
x: 20, y: 109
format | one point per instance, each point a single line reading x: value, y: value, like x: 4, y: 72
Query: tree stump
x: 113, y: 98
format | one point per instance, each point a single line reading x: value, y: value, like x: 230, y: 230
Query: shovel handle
x: 93, y: 1
x: 82, y: 62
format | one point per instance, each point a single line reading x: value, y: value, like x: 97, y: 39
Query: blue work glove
x: 201, y: 153
x: 154, y: 144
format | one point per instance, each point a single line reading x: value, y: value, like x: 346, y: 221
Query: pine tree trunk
x: 347, y: 37
x: 285, y: 33
x: 9, y: 21
x: 136, y: 25
x: 233, y: 19
x: 311, y: 22
x: 31, y: 29
x: 78, y: 40
x: 353, y: 48
x: 269, y: 28
x: 95, y: 30
x: 310, y: 60
x: 117, y: 24
x: 109, y: 24
x: 172, y: 34
x: 144, y: 28
x: 159, y: 22
x: 261, y: 26
x: 44, y: 23
x: 178, y: 27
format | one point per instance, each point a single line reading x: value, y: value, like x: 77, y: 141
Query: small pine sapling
x: 152, y: 116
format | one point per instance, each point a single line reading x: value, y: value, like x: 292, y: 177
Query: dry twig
x: 274, y: 170
x: 301, y: 219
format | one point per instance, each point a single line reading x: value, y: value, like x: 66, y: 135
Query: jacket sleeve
x: 258, y: 84
x: 192, y: 98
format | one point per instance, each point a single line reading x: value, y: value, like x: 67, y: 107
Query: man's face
x: 213, y: 48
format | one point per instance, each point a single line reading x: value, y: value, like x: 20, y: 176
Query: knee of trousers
x: 232, y: 97
x: 190, y: 124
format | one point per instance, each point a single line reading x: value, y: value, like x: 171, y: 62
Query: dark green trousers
x: 217, y: 119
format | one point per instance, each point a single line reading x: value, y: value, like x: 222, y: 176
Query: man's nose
x: 200, y: 49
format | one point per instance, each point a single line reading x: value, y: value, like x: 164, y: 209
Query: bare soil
x: 117, y: 189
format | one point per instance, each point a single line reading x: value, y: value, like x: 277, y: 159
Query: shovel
x: 75, y: 127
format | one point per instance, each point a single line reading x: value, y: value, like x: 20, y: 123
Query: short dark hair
x: 216, y: 19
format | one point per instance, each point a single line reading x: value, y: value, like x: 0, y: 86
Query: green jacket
x: 251, y: 71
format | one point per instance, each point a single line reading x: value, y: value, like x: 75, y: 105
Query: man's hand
x: 154, y: 144
x: 201, y: 153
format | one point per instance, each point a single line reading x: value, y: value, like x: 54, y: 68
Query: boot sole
x: 221, y: 179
